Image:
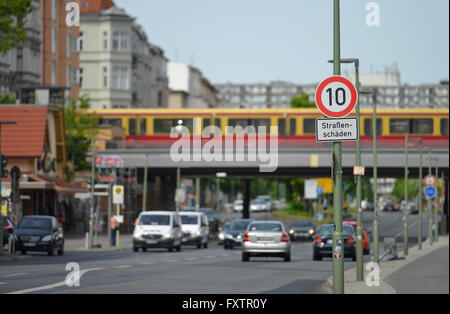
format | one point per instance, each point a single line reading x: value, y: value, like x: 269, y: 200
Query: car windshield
x: 258, y: 201
x: 154, y: 220
x: 269, y: 226
x: 303, y: 223
x: 327, y: 230
x: 208, y: 211
x: 238, y: 225
x: 239, y: 202
x: 36, y: 223
x: 189, y: 219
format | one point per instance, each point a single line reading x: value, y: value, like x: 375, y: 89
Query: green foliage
x: 302, y: 101
x: 80, y: 130
x: 12, y: 23
x: 7, y: 99
x: 399, y: 189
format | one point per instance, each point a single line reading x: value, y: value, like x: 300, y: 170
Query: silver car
x: 266, y: 238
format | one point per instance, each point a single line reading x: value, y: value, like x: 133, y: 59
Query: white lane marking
x: 14, y: 275
x: 51, y: 286
x: 2, y: 283
x: 210, y: 256
x: 173, y: 260
x: 190, y: 259
x: 123, y: 266
x: 147, y: 263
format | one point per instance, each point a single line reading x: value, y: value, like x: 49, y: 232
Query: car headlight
x: 221, y: 236
x: 291, y: 231
x: 198, y: 233
x: 136, y: 234
x: 168, y: 235
x: 47, y: 238
x: 264, y: 206
x: 311, y: 231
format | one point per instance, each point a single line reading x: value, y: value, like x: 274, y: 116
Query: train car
x: 295, y: 126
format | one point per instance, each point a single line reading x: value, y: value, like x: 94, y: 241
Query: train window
x: 143, y: 127
x: 309, y: 126
x: 368, y: 127
x: 114, y: 122
x: 132, y: 127
x: 206, y: 123
x: 421, y: 126
x: 399, y: 126
x: 250, y: 122
x: 292, y: 127
x: 164, y: 126
x: 282, y: 127
x: 444, y: 127
x: 217, y: 123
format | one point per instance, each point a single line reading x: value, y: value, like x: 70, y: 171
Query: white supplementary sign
x: 336, y: 97
x: 359, y: 170
x: 336, y: 130
x: 118, y: 194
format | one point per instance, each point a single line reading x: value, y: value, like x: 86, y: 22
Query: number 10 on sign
x: 336, y: 97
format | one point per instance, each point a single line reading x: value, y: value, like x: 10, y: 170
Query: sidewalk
x: 79, y: 243
x: 397, y: 273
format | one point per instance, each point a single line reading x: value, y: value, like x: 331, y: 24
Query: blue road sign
x: 430, y: 192
x: 319, y: 216
x: 319, y: 190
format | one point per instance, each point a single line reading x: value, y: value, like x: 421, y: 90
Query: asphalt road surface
x: 191, y: 271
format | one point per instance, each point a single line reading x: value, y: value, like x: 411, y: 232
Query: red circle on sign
x: 430, y: 180
x: 348, y: 109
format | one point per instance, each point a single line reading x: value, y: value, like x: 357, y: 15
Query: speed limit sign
x: 336, y: 97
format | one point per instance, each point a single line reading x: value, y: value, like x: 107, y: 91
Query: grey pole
x: 197, y: 194
x: 178, y: 189
x: 338, y: 237
x: 405, y: 210
x: 144, y: 189
x: 420, y: 196
x: 109, y: 212
x: 430, y: 218
x: 436, y: 213
x: 376, y: 250
x: 92, y: 195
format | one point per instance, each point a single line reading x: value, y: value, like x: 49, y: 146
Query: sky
x: 246, y: 41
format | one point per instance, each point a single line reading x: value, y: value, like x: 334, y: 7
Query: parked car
x: 158, y: 229
x: 195, y: 229
x: 390, y: 206
x: 259, y: 205
x: 266, y: 238
x: 238, y: 205
x: 39, y: 234
x: 8, y: 229
x: 302, y: 229
x: 366, y: 238
x: 234, y: 231
x: 212, y: 218
x: 323, y: 244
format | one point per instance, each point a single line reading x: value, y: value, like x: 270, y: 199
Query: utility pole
x: 144, y: 189
x: 436, y: 213
x: 91, y: 216
x: 430, y: 218
x: 420, y: 195
x: 376, y: 247
x: 405, y: 210
x: 338, y: 236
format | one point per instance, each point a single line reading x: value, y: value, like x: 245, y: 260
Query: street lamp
x: 1, y: 197
x: 429, y: 205
x: 218, y: 176
x: 419, y: 139
x: 359, y: 234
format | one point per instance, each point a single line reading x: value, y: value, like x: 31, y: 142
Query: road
x: 191, y: 271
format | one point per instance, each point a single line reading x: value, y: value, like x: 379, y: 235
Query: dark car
x: 323, y: 244
x: 212, y: 219
x: 234, y: 232
x: 8, y: 228
x: 39, y: 234
x: 390, y: 206
x: 302, y: 229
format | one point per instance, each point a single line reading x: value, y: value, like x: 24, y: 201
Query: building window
x: 120, y: 41
x: 53, y: 10
x: 105, y: 77
x: 53, y: 40
x: 53, y: 72
x: 80, y: 42
x: 19, y: 59
x: 119, y: 78
x: 68, y: 44
x: 105, y: 40
x: 74, y: 76
x: 68, y: 75
x: 80, y: 76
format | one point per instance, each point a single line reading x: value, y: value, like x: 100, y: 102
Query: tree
x: 302, y: 101
x: 398, y: 191
x: 80, y: 130
x: 12, y: 23
x: 7, y: 99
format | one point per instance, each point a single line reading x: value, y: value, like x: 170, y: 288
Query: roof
x: 95, y: 6
x: 26, y: 137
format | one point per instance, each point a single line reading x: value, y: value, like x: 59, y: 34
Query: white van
x: 157, y: 229
x: 195, y: 228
